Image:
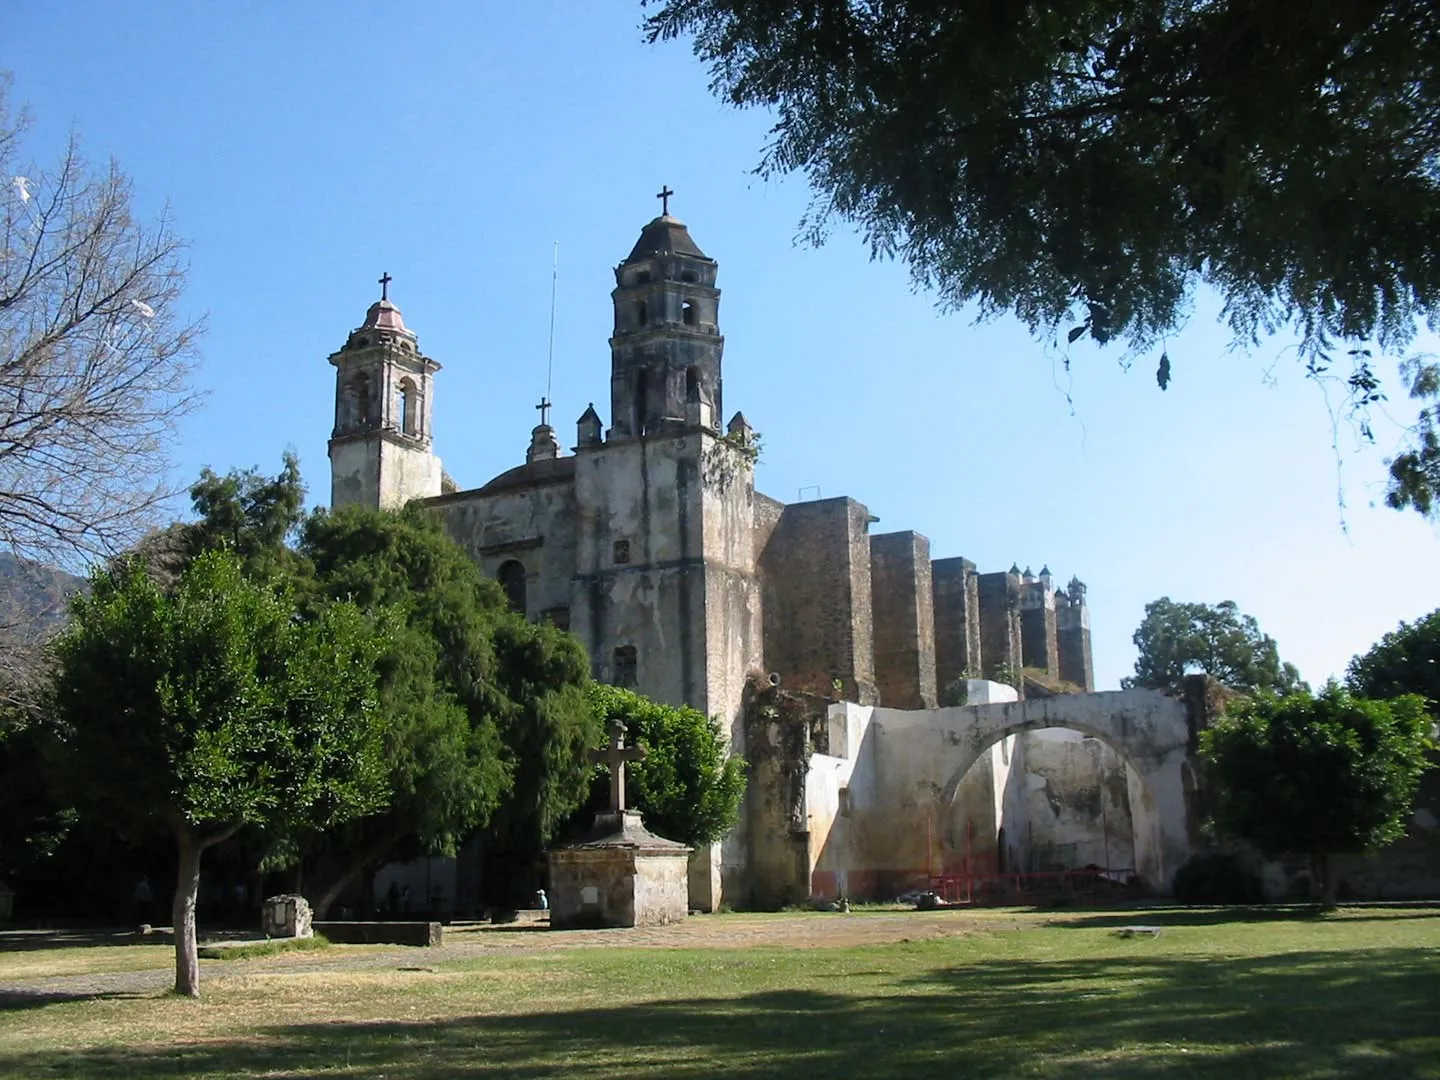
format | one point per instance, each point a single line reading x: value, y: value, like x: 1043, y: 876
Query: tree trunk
x: 1328, y: 884
x: 187, y: 888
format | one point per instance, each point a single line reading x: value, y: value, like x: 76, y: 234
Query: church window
x: 361, y: 400
x: 626, y: 667
x: 642, y: 315
x: 689, y: 276
x: 642, y: 278
x: 361, y: 342
x: 409, y: 407
x: 622, y: 551
x: 689, y: 312
x: 692, y: 385
x: 641, y: 396
x: 512, y: 580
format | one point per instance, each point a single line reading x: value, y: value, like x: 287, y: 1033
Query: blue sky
x: 306, y: 148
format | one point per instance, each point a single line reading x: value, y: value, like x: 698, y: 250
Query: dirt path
x: 468, y: 941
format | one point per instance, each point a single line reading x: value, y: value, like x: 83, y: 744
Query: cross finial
x: 614, y: 758
x: 544, y: 408
x: 664, y: 196
x: 385, y: 280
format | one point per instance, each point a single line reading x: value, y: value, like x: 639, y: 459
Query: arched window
x: 512, y: 580
x: 689, y: 313
x: 361, y: 400
x: 409, y: 407
x: 626, y: 672
x: 642, y: 314
x: 641, y: 394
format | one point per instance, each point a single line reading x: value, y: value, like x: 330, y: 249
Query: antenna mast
x: 554, y: 280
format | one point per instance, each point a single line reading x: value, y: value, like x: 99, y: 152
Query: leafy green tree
x: 1177, y: 639
x: 486, y: 719
x: 1087, y: 165
x: 687, y: 788
x: 1321, y: 775
x: 1404, y: 661
x: 216, y: 706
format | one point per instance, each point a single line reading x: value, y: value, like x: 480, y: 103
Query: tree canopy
x: 1087, y: 166
x: 1317, y: 775
x: 218, y: 705
x: 1179, y: 639
x: 687, y: 788
x: 1404, y: 661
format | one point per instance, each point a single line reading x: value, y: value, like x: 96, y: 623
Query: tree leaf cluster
x: 1177, y: 639
x: 1086, y: 166
x: 687, y: 788
x: 1325, y: 775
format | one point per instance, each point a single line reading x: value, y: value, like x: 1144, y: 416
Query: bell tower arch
x: 666, y: 346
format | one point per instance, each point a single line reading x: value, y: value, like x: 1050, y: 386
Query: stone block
x: 620, y: 875
x: 285, y: 916
x: 383, y: 933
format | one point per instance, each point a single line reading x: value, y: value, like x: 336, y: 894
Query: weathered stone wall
x: 1000, y: 645
x: 533, y: 525
x: 815, y: 572
x: 779, y: 735
x: 592, y: 888
x: 872, y: 817
x: 1073, y: 645
x: 902, y: 605
x: 956, y: 596
x: 1038, y: 646
x: 1073, y: 804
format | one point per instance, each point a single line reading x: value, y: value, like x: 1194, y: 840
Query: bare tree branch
x: 95, y: 356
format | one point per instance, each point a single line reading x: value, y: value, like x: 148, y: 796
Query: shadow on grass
x: 1181, y: 916
x: 1304, y: 1015
x: 17, y: 1000
x: 34, y: 940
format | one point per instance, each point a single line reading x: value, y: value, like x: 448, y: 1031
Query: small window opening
x: 622, y: 551
x: 641, y: 396
x: 642, y: 314
x: 409, y: 408
x: 689, y: 313
x: 643, y: 277
x: 692, y: 385
x: 512, y: 580
x: 361, y: 400
x: 626, y: 667
x: 689, y: 276
x: 361, y: 342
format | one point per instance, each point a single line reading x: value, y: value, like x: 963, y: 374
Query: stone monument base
x: 620, y: 874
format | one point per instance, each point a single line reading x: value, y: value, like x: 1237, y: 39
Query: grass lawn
x: 1004, y: 994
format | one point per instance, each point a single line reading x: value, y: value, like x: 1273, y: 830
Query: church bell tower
x: 666, y: 347
x: 380, y: 448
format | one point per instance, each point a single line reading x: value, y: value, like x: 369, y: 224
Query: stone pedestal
x: 620, y: 874
x: 286, y: 916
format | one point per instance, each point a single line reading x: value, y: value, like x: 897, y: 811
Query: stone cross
x: 614, y: 757
x: 664, y: 197
x: 544, y: 408
x: 385, y: 280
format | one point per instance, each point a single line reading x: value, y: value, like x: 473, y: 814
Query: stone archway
x: 886, y: 774
x: 1150, y: 731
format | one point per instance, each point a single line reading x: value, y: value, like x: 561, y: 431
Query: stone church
x: 649, y: 541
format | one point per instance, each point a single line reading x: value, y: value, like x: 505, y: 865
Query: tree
x: 1178, y: 639
x: 1320, y: 775
x: 687, y: 788
x: 1087, y: 165
x: 472, y: 731
x: 95, y: 355
x: 217, y: 706
x: 1404, y: 661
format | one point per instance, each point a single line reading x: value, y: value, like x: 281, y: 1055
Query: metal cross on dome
x: 614, y: 758
x: 544, y: 408
x: 385, y: 280
x: 664, y: 196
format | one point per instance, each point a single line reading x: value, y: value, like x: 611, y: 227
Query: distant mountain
x: 32, y: 596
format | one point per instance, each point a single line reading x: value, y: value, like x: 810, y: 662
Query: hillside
x: 32, y: 597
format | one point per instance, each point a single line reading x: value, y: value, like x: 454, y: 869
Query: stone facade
x: 651, y: 544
